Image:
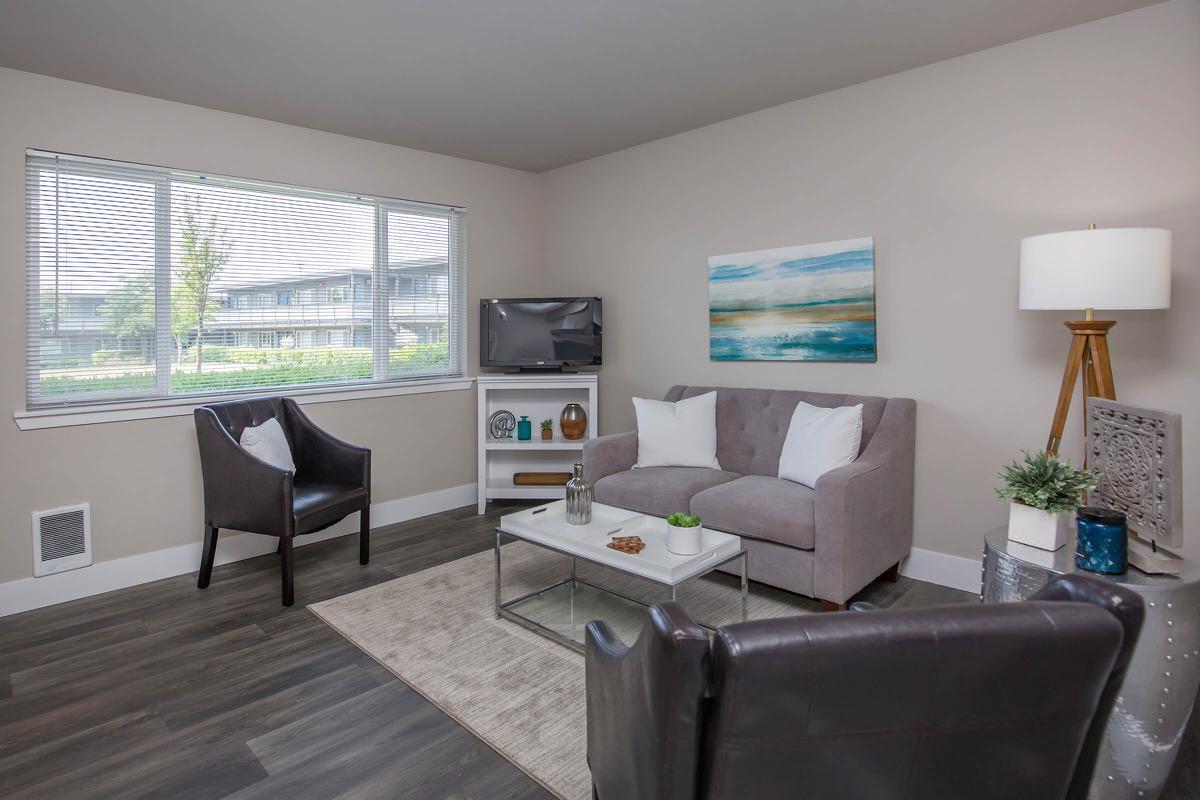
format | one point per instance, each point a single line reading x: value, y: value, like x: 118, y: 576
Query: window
x: 149, y: 283
x: 362, y: 291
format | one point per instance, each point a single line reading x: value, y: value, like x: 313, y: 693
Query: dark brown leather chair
x: 332, y: 480
x: 988, y: 702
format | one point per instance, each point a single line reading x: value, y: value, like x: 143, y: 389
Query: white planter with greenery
x: 1045, y: 493
x: 1038, y: 528
x: 685, y: 536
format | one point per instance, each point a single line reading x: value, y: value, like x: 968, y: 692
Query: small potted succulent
x: 1044, y: 491
x: 547, y: 429
x: 685, y: 537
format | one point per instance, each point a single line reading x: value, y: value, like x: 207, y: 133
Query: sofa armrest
x: 864, y: 510
x: 643, y: 707
x: 241, y: 491
x: 322, y: 456
x: 607, y: 455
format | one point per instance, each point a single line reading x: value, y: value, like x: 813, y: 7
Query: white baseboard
x: 105, y: 576
x: 941, y: 568
x: 26, y: 594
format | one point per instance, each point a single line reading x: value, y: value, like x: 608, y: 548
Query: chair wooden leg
x: 829, y: 605
x: 892, y: 574
x: 364, y: 535
x: 285, y: 565
x: 207, y: 556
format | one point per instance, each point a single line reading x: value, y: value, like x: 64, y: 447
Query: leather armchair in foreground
x: 332, y: 480
x: 984, y: 702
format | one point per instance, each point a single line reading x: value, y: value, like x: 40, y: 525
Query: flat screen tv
x: 540, y: 332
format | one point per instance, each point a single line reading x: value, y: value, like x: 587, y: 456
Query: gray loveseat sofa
x: 826, y: 543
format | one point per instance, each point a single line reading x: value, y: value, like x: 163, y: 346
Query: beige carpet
x: 520, y: 692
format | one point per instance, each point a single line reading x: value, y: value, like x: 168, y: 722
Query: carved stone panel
x: 1139, y: 450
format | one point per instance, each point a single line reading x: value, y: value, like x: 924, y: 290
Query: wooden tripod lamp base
x: 1088, y: 355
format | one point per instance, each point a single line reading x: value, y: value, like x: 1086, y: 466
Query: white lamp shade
x: 1109, y: 268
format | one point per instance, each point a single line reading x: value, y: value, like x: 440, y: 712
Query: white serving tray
x: 547, y: 526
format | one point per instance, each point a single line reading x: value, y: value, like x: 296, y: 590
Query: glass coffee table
x: 561, y: 610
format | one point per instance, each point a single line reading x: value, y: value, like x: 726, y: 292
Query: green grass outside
x: 270, y: 368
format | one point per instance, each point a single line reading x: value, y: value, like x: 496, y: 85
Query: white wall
x: 142, y: 477
x: 947, y: 166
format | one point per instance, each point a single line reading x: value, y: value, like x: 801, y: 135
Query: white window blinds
x: 146, y: 282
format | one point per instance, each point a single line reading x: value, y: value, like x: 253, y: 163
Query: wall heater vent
x: 62, y: 539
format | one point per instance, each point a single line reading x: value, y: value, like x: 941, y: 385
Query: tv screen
x: 540, y: 333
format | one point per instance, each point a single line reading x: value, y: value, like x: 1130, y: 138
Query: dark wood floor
x: 163, y: 690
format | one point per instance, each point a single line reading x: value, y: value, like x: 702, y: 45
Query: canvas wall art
x: 812, y: 302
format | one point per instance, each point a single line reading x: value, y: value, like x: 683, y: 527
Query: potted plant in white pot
x: 1044, y: 491
x: 685, y: 537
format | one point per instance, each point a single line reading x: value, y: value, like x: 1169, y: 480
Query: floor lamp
x: 1111, y: 269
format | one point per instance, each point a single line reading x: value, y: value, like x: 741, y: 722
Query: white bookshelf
x: 538, y: 397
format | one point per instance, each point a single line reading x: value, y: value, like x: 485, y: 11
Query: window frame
x: 112, y: 403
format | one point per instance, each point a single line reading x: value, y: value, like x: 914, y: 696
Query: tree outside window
x: 206, y: 251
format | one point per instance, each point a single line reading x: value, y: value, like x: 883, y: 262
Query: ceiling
x: 531, y: 84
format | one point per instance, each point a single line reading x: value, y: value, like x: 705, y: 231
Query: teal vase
x: 524, y: 429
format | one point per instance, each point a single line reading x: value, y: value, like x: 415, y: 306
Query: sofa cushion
x: 317, y: 504
x: 267, y: 442
x: 660, y: 491
x: 682, y: 434
x: 761, y: 508
x: 818, y: 440
x: 752, y: 423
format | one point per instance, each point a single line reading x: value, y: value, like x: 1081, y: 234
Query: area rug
x: 521, y: 693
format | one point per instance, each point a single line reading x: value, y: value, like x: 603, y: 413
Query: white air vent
x: 62, y: 539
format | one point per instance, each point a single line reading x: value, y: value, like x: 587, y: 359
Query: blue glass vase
x: 524, y: 429
x: 1101, y: 541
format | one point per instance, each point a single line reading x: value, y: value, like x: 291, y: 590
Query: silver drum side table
x: 1160, y: 688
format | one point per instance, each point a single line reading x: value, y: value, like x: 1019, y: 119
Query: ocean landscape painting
x: 812, y: 302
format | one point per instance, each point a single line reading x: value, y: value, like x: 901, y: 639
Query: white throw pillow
x: 818, y: 440
x: 268, y: 442
x: 682, y: 434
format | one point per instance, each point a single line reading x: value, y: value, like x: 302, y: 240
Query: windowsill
x: 183, y: 406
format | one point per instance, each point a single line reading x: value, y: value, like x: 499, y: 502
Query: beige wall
x: 947, y: 166
x: 142, y: 477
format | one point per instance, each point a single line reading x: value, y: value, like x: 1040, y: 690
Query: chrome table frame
x: 504, y: 610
